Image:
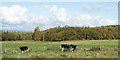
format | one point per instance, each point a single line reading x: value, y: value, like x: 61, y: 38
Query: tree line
x: 63, y: 33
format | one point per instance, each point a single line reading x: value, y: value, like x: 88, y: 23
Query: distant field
x: 39, y: 49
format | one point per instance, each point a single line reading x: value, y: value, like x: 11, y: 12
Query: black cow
x: 66, y: 46
x: 24, y: 48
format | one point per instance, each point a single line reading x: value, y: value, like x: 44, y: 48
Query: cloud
x: 18, y: 15
x: 13, y: 15
x: 110, y: 22
x: 92, y: 21
x: 16, y: 18
x: 59, y: 14
x: 38, y: 19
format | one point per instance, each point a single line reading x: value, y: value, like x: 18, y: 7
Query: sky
x: 59, y: 0
x: 25, y: 16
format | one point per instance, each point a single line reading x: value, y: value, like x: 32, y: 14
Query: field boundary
x: 51, y: 41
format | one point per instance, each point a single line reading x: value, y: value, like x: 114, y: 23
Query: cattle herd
x: 64, y: 47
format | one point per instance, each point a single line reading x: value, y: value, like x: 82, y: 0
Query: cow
x: 24, y: 49
x: 73, y: 47
x: 66, y: 46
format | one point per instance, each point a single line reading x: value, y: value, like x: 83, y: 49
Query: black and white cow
x: 66, y: 46
x: 24, y: 49
x: 73, y: 47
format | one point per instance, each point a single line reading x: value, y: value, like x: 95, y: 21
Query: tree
x: 37, y: 34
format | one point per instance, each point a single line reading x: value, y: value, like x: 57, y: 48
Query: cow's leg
x: 27, y: 50
x: 22, y: 51
x: 72, y: 49
x: 76, y: 46
x: 62, y: 49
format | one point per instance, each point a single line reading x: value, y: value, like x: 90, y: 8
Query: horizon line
x: 55, y: 27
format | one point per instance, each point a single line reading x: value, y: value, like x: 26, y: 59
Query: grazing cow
x: 73, y: 47
x: 24, y: 48
x: 65, y: 46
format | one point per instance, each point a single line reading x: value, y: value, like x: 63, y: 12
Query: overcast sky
x: 25, y: 16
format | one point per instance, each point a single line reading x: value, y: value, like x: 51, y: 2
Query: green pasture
x: 39, y: 49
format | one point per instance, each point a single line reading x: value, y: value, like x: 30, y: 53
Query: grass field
x: 45, y: 49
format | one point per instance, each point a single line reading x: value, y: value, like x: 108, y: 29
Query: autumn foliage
x: 63, y: 34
